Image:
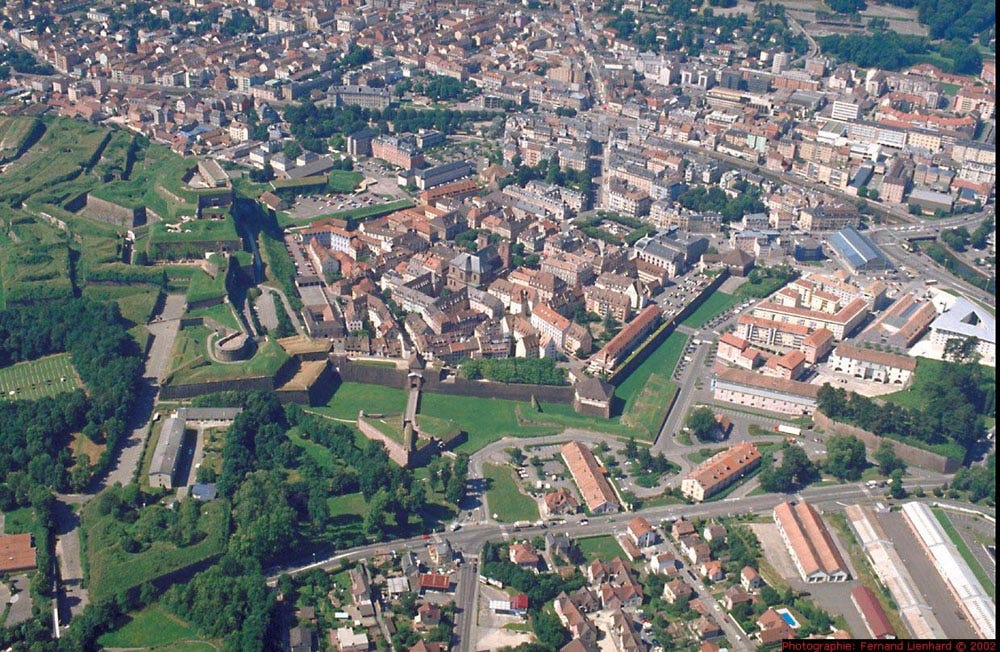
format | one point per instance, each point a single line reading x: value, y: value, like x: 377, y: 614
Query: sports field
x: 46, y: 376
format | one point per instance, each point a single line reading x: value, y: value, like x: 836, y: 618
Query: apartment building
x: 869, y: 364
x: 749, y: 389
x: 720, y: 471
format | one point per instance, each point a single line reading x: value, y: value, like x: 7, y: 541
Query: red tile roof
x: 435, y: 581
x: 589, y: 476
x: 16, y: 553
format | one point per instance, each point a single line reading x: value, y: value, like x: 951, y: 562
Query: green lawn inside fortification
x: 712, y: 307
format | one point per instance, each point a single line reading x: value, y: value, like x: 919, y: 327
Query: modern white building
x: 962, y: 319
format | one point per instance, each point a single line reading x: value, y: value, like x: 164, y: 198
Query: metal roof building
x: 858, y: 252
x: 965, y: 587
x: 164, y: 464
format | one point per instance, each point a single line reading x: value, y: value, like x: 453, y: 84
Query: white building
x: 962, y: 319
x: 869, y: 364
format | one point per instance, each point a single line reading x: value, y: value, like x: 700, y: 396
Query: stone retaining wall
x: 909, y: 454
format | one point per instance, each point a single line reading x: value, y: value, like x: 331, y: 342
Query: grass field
x: 204, y: 287
x: 153, y: 627
x: 265, y: 362
x: 604, y: 547
x: 46, y: 376
x: 136, y: 302
x: 715, y: 305
x: 113, y: 570
x: 629, y: 400
x: 13, y: 131
x: 221, y: 312
x: 58, y: 157
x: 504, y: 497
x: 344, y: 181
x: 913, y: 396
x: 484, y: 420
x: 18, y: 521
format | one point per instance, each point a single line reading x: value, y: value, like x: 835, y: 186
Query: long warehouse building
x: 966, y: 589
x: 810, y: 543
x: 892, y: 572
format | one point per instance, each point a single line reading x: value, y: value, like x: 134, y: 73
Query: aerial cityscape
x: 538, y: 326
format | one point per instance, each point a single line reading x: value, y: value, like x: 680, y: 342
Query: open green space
x: 34, y: 259
x: 914, y: 396
x: 136, y: 302
x: 351, y: 398
x: 221, y: 313
x: 642, y: 408
x: 390, y: 426
x: 963, y: 549
x: 265, y: 362
x: 604, y: 547
x: 206, y: 230
x: 65, y: 151
x: 13, y: 131
x: 189, y: 347
x: 504, y: 498
x: 712, y: 307
x: 352, y: 216
x: 154, y: 626
x: 18, y: 521
x: 484, y: 420
x: 113, y: 570
x: 204, y: 287
x: 344, y: 181
x: 34, y: 379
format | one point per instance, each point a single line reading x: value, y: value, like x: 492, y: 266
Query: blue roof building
x: 858, y: 252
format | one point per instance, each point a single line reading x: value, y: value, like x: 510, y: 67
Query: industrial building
x: 857, y: 251
x: 810, y: 543
x: 165, y: 455
x: 965, y: 588
x: 893, y: 574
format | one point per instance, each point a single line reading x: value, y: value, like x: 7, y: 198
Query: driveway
x: 164, y: 328
x: 72, y: 597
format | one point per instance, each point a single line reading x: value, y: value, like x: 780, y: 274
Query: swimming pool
x: 788, y: 618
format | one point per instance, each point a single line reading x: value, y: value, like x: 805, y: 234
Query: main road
x: 470, y: 539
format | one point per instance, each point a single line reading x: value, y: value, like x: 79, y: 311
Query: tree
x: 846, y: 459
x: 291, y: 149
x: 701, y: 422
x: 376, y: 519
x: 896, y: 489
x: 265, y: 522
x: 962, y: 349
x: 887, y: 460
